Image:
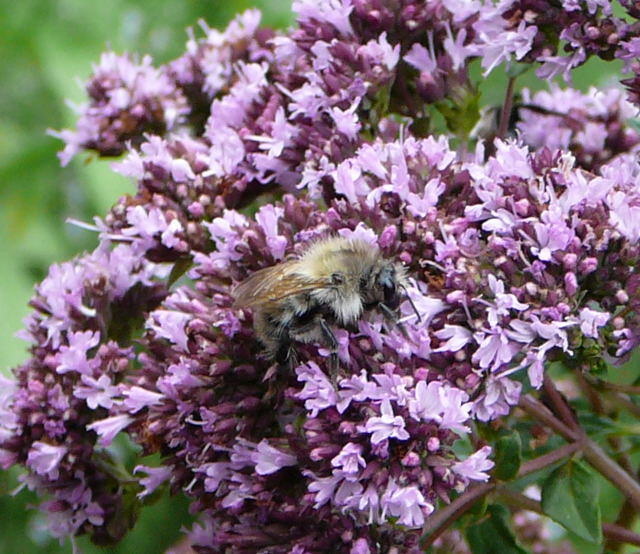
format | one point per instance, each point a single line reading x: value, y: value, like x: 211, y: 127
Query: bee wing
x: 271, y: 284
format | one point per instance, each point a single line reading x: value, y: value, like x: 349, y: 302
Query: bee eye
x: 337, y: 278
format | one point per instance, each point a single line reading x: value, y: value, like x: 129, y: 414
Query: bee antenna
x: 406, y: 293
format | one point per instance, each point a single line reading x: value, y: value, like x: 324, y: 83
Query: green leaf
x: 380, y: 106
x: 178, y: 270
x: 570, y: 497
x: 634, y: 123
x: 462, y: 447
x: 479, y: 508
x: 595, y: 424
x: 508, y: 456
x: 517, y: 69
x: 493, y: 534
x: 462, y: 113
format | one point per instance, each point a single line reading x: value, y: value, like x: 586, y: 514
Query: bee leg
x: 292, y: 358
x: 286, y: 355
x: 390, y: 315
x: 411, y: 302
x: 332, y: 342
x: 286, y: 362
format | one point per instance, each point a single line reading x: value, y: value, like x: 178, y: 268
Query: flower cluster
x: 127, y: 99
x: 516, y: 257
x: 593, y: 126
x: 70, y: 382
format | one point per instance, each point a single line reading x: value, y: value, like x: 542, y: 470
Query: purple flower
x: 45, y: 458
x: 387, y: 426
x: 441, y: 403
x: 282, y: 134
x: 591, y: 320
x: 318, y: 392
x: 109, y: 427
x: 380, y: 52
x: 269, y: 460
x: 475, y: 466
x: 495, y: 349
x: 507, y: 246
x: 421, y: 58
x: 407, y: 504
x: 74, y: 356
x: 349, y: 181
x: 267, y: 217
x: 131, y: 98
x: 8, y: 419
x: 551, y: 234
x: 498, y: 44
x: 457, y: 49
x: 215, y: 472
x: 170, y: 325
x: 156, y: 476
x: 500, y: 395
x: 324, y: 489
x: 455, y: 336
x: 503, y: 302
x: 138, y: 398
x: 334, y: 12
x: 355, y: 388
x: 350, y: 460
x: 360, y: 547
x: 346, y: 121
x: 97, y: 392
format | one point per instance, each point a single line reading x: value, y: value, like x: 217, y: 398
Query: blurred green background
x: 46, y: 49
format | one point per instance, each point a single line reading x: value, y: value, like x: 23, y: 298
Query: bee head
x: 381, y: 285
x: 387, y: 284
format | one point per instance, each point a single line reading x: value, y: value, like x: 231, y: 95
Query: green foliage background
x: 46, y: 47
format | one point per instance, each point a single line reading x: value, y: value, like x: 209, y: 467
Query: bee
x: 334, y: 282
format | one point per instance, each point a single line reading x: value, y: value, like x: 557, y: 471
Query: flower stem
x: 620, y: 534
x: 624, y: 401
x: 612, y: 471
x: 597, y: 457
x: 548, y: 459
x: 505, y: 115
x: 439, y: 522
x: 561, y: 407
x: 628, y: 389
x: 540, y: 412
x: 625, y: 519
x: 601, y: 408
